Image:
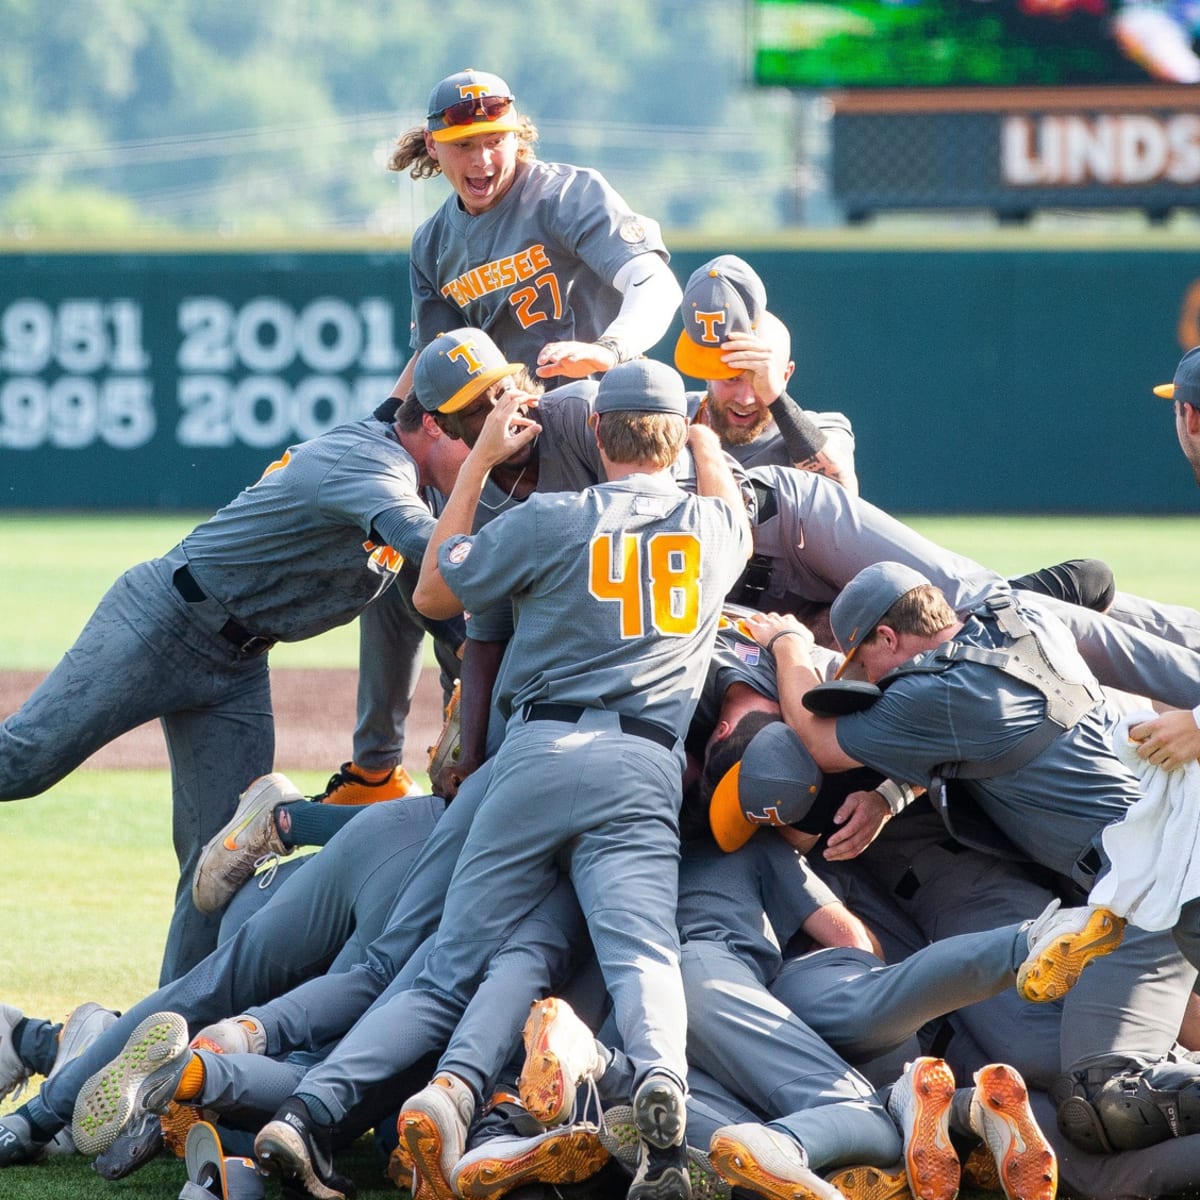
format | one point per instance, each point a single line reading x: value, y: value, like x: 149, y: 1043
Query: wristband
x: 782, y: 633
x: 1196, y: 715
x: 617, y: 348
x: 802, y: 436
x: 898, y: 795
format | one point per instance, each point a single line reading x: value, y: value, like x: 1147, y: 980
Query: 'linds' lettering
x: 1130, y: 148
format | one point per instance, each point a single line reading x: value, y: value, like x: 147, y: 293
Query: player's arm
x: 808, y: 445
x: 503, y: 433
x: 791, y: 642
x: 479, y: 670
x: 714, y: 478
x: 1170, y: 740
x: 835, y: 925
x: 650, y: 297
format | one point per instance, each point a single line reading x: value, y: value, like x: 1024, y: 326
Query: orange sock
x: 192, y: 1079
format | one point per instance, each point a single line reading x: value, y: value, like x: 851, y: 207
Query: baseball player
x: 616, y: 593
x: 319, y: 920
x: 741, y: 351
x: 811, y: 537
x: 185, y: 637
x: 553, y: 265
x: 545, y: 257
x: 1184, y: 391
x: 1050, y: 808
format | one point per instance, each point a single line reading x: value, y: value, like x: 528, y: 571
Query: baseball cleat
x: 1062, y: 941
x: 84, y: 1025
x: 352, y: 785
x: 14, y: 1074
x: 235, y: 1035
x: 659, y: 1115
x: 17, y: 1143
x: 560, y: 1053
x: 619, y: 1136
x: 400, y: 1168
x: 872, y: 1183
x: 768, y: 1163
x: 139, y: 1142
x: 920, y: 1105
x: 143, y: 1077
x: 433, y: 1126
x: 1001, y: 1116
x: 293, y: 1146
x: 979, y: 1171
x: 246, y: 839
x: 565, y: 1154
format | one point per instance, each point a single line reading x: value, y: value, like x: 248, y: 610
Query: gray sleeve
x: 792, y: 892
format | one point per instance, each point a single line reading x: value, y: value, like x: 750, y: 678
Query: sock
x: 314, y: 824
x: 36, y: 1044
x: 371, y: 776
x: 191, y: 1081
x: 316, y: 1109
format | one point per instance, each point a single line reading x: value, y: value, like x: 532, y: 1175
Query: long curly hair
x: 409, y: 152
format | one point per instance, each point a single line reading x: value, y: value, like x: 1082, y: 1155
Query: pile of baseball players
x: 769, y: 843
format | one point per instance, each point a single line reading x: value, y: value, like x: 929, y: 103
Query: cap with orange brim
x: 1186, y: 384
x: 864, y: 601
x: 722, y: 297
x: 774, y: 783
x: 455, y: 367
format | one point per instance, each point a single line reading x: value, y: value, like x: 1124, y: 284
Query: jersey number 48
x: 659, y: 577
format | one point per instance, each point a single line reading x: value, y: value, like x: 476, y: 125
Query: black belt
x: 247, y: 644
x: 570, y: 713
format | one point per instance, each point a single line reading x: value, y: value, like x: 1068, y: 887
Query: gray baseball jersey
x: 1053, y: 807
x: 317, y: 538
x: 725, y: 898
x: 538, y: 267
x: 182, y: 638
x: 608, y: 620
x: 819, y: 537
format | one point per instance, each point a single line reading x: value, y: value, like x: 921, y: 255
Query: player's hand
x: 575, y: 360
x: 505, y: 430
x: 860, y: 818
x: 1169, y: 741
x: 449, y: 779
x: 767, y: 366
x: 764, y: 626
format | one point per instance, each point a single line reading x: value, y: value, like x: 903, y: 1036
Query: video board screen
x: 832, y: 44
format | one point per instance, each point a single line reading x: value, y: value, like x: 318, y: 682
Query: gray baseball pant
x: 145, y: 653
x: 298, y: 933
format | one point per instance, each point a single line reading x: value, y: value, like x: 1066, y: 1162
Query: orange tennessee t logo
x: 465, y: 352
x: 471, y: 91
x: 708, y: 322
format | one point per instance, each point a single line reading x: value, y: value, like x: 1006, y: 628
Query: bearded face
x: 735, y: 413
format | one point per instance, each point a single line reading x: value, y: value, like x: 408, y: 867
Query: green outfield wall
x: 978, y: 380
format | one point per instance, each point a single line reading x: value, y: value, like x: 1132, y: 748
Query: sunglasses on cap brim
x: 481, y: 108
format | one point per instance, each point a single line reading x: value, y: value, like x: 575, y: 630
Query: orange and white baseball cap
x: 722, y: 297
x: 774, y: 783
x: 469, y: 103
x: 1186, y: 384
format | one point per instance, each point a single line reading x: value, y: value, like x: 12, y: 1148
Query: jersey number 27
x: 658, y: 578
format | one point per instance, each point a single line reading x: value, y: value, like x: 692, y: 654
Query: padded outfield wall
x: 1009, y: 378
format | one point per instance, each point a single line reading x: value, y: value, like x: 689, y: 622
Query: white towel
x: 1154, y: 850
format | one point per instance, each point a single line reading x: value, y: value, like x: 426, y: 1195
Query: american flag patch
x: 748, y: 653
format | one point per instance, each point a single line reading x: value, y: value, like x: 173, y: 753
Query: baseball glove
x: 447, y: 750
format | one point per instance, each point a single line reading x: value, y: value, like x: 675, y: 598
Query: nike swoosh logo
x: 231, y: 838
x: 641, y: 281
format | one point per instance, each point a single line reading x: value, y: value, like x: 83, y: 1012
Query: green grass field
x: 53, y: 568
x: 88, y: 870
